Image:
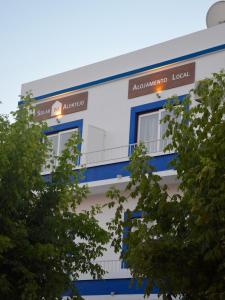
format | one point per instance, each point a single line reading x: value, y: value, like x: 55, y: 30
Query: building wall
x: 107, y: 120
x: 109, y: 106
x: 106, y: 215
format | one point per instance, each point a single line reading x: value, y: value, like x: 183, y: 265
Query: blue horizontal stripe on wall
x: 110, y: 171
x: 103, y: 172
x: 133, y: 72
x: 107, y: 286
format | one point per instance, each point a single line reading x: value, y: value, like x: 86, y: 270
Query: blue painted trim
x: 133, y: 72
x: 66, y: 126
x: 103, y: 172
x: 110, y: 171
x: 134, y: 215
x: 106, y: 286
x: 144, y: 108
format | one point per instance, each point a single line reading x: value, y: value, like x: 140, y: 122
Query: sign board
x: 163, y: 80
x: 62, y: 106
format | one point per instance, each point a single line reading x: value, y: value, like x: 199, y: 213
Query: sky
x: 45, y: 37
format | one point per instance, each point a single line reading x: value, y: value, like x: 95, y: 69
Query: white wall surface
x: 110, y: 259
x: 109, y: 110
x: 109, y: 106
x: 96, y: 138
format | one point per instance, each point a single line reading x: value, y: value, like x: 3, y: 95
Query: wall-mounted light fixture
x: 58, y: 119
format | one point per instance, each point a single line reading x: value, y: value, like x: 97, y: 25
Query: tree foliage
x: 179, y: 243
x: 45, y: 241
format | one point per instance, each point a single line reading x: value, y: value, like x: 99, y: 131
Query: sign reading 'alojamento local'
x: 162, y: 80
x: 62, y: 106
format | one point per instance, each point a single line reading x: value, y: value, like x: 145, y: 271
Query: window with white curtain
x: 58, y: 143
x: 151, y: 131
x: 59, y: 140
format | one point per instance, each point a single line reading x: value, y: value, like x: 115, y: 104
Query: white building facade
x: 114, y: 105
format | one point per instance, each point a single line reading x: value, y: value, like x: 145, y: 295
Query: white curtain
x: 64, y: 137
x: 163, y: 127
x: 54, y: 143
x: 52, y: 153
x: 148, y: 131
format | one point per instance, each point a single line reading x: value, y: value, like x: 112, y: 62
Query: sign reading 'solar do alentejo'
x: 163, y: 80
x: 62, y: 106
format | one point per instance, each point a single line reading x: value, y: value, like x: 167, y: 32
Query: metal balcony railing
x: 154, y: 147
x: 112, y: 269
x: 122, y: 153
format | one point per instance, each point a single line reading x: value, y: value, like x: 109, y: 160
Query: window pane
x: 64, y: 137
x: 54, y: 143
x: 148, y: 131
x: 163, y: 127
x: 52, y: 153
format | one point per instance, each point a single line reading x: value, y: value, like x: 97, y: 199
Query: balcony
x: 112, y: 268
x: 122, y: 153
x: 116, y: 154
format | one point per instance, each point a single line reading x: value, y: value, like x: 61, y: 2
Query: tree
x: 178, y: 244
x: 44, y: 240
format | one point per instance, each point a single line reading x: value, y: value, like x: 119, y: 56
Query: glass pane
x: 148, y: 131
x: 52, y: 153
x: 64, y: 137
x: 54, y: 143
x: 163, y: 127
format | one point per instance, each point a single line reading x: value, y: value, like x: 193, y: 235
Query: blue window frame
x: 66, y: 126
x: 142, y: 109
x: 132, y: 215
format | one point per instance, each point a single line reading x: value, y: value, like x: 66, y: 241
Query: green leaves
x: 178, y: 244
x: 45, y: 240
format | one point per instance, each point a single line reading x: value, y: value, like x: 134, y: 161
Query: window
x: 137, y: 216
x: 59, y: 140
x: 134, y: 215
x: 151, y: 131
x: 58, y: 143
